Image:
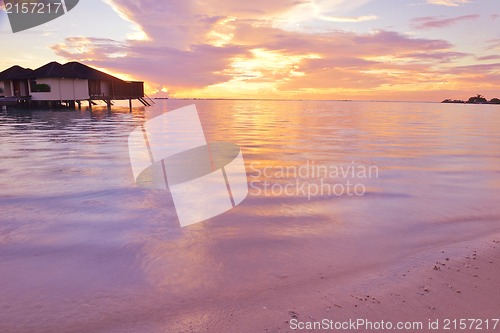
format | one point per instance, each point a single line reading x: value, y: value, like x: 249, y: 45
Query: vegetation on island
x: 478, y: 99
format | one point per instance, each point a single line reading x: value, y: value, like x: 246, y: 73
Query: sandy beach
x: 453, y: 282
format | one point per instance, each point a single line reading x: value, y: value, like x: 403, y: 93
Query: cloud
x: 450, y: 3
x: 442, y: 57
x: 197, y: 67
x: 348, y: 19
x: 493, y: 44
x: 432, y: 22
x: 490, y: 57
x: 258, y: 54
x: 229, y: 49
x: 481, y: 69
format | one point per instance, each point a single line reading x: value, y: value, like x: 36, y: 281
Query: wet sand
x: 459, y: 281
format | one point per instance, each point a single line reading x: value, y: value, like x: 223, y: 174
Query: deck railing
x: 128, y: 90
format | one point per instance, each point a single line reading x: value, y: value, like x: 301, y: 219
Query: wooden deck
x: 13, y: 101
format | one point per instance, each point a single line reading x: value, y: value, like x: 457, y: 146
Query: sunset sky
x: 422, y: 50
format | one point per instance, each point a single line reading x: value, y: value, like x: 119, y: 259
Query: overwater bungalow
x: 55, y: 84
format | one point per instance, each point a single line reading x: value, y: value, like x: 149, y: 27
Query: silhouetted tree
x: 495, y: 101
x: 479, y: 99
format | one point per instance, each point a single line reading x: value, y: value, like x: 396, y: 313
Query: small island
x: 478, y: 99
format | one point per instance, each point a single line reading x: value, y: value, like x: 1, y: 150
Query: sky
x: 406, y: 50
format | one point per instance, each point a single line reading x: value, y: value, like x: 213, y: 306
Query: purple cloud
x: 193, y: 45
x: 433, y: 22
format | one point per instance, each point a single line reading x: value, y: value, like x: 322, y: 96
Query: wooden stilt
x: 130, y: 105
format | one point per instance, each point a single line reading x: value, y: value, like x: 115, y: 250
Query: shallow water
x: 82, y: 248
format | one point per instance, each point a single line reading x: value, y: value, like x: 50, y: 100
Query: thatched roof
x: 71, y: 70
x: 15, y: 72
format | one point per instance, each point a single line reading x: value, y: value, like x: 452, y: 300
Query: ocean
x: 337, y: 189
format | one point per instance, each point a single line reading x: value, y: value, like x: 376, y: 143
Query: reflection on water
x: 80, y: 244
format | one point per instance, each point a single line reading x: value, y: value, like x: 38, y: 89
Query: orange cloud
x: 231, y: 49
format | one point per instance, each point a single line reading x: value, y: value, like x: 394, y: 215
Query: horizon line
x: 306, y: 100
x: 289, y: 100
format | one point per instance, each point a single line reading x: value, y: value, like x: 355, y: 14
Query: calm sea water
x: 83, y: 249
